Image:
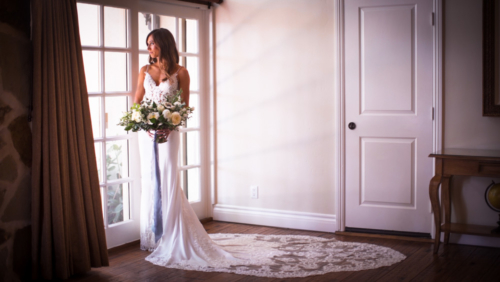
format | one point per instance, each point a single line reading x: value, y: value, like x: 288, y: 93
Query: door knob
x: 352, y: 126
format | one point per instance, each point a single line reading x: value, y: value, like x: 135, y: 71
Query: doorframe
x: 340, y: 124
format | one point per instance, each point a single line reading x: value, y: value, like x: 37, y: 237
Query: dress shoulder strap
x: 147, y: 68
x: 180, y: 67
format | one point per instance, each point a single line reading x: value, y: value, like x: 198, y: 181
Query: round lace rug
x: 285, y: 256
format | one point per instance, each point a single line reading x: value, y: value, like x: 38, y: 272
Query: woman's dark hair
x: 169, y: 56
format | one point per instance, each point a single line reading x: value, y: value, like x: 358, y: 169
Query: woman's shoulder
x: 182, y: 71
x: 144, y: 69
x: 142, y: 73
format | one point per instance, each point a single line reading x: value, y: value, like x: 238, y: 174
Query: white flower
x: 161, y: 108
x: 166, y: 114
x: 177, y: 103
x: 136, y: 116
x: 192, y: 108
x: 176, y: 118
x: 152, y: 115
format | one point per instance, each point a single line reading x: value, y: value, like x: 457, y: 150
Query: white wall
x: 464, y: 125
x: 275, y: 104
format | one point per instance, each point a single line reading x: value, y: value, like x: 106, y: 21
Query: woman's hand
x: 162, y: 134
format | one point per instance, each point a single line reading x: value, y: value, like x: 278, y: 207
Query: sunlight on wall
x: 275, y: 104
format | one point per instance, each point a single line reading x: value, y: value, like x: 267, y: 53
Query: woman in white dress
x: 184, y: 242
x: 184, y: 239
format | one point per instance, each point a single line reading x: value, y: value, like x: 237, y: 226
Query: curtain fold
x: 68, y: 235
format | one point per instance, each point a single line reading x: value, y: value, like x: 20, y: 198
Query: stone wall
x: 15, y: 140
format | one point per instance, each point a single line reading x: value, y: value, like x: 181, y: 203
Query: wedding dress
x: 186, y: 245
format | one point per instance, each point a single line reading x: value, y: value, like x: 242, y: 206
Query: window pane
x: 188, y: 35
x: 145, y: 26
x: 118, y: 203
x: 115, y: 106
x: 168, y: 23
x: 89, y: 21
x: 95, y: 115
x: 192, y: 67
x: 115, y: 70
x: 190, y: 148
x: 191, y: 179
x: 92, y: 65
x: 182, y: 61
x: 192, y: 36
x: 193, y: 147
x: 98, y: 157
x: 116, y: 159
x: 143, y: 60
x: 194, y: 101
x: 115, y: 27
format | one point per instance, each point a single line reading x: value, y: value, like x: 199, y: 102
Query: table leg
x: 434, y: 196
x: 446, y: 201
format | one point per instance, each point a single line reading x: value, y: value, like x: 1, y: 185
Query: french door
x: 113, y: 36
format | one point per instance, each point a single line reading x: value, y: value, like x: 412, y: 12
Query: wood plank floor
x: 452, y: 263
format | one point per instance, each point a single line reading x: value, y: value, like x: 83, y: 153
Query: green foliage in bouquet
x: 150, y: 116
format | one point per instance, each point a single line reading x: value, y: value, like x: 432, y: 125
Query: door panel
x: 390, y: 184
x: 391, y: 89
x: 388, y: 90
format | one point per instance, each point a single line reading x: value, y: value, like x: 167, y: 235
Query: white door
x: 388, y: 96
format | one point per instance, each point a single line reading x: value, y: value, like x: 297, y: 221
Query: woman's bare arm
x: 184, y: 80
x: 139, y: 92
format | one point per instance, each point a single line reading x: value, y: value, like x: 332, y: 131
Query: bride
x: 183, y: 242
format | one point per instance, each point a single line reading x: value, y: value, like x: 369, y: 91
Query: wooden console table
x: 451, y: 162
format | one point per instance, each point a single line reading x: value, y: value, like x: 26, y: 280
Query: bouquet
x: 149, y: 115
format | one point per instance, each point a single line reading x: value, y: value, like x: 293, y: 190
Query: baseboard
x: 117, y: 249
x: 275, y: 218
x: 464, y: 239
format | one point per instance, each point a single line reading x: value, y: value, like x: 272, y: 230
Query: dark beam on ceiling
x: 204, y: 2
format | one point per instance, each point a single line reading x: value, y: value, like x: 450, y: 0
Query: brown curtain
x: 67, y: 221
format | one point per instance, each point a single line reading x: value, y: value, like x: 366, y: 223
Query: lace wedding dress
x: 186, y: 245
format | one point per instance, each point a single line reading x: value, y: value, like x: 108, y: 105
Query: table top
x: 466, y: 154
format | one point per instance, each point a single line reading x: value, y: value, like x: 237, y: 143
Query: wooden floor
x: 452, y: 263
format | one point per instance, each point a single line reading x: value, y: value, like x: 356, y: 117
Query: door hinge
x: 433, y: 18
x: 432, y: 113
